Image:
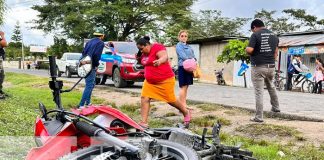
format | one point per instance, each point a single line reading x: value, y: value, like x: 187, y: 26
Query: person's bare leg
x: 183, y: 95
x: 182, y: 108
x: 145, y: 108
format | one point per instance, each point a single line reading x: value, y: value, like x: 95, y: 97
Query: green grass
x: 209, y: 107
x: 268, y: 130
x: 209, y: 121
x: 170, y: 114
x: 267, y: 150
x: 18, y: 113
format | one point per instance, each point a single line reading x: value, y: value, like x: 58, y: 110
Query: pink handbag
x: 190, y: 65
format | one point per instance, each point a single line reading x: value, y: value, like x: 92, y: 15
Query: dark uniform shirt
x: 264, y: 43
x: 94, y: 49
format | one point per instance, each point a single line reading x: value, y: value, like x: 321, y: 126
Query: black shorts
x: 184, y: 77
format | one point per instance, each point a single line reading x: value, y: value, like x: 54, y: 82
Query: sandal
x: 187, y: 118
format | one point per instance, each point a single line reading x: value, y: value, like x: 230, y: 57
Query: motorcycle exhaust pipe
x: 100, y: 134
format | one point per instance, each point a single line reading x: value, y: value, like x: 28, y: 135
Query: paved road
x: 302, y: 104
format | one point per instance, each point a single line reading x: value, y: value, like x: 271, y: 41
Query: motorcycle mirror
x: 43, y: 110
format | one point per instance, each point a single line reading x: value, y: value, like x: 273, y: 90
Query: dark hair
x: 143, y: 41
x: 320, y: 60
x: 257, y: 23
x: 97, y: 36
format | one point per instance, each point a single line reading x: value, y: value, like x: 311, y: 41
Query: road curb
x: 267, y: 114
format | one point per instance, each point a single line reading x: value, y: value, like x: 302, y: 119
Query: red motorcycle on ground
x: 112, y: 135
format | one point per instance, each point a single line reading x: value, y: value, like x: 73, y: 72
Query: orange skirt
x: 163, y: 91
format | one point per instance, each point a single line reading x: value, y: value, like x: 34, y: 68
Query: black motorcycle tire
x: 179, y: 152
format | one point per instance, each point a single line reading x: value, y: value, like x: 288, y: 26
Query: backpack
x: 291, y: 68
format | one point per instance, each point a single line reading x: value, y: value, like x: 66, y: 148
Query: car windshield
x: 73, y: 57
x: 126, y: 48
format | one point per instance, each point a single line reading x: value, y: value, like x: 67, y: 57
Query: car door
x: 106, y: 61
x: 61, y: 63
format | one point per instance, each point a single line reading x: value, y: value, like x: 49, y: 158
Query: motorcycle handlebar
x: 87, y: 128
x: 93, y: 131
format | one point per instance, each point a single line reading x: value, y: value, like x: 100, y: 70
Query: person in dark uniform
x: 3, y: 44
x: 263, y: 51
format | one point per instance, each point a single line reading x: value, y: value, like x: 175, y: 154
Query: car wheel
x: 119, y: 82
x: 68, y: 73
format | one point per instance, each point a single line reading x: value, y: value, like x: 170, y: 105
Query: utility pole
x: 22, y: 51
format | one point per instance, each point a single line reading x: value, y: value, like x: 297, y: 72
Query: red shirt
x: 155, y: 74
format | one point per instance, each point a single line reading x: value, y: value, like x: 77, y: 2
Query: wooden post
x: 244, y: 80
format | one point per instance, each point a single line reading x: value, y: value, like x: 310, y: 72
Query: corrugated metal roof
x: 307, y: 39
x: 216, y: 39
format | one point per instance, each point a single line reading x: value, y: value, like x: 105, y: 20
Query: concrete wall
x: 207, y: 58
x: 11, y: 64
x: 208, y: 62
x: 172, y: 55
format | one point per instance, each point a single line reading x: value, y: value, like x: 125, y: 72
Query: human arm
x: 295, y: 64
x: 97, y: 54
x: 162, y: 58
x: 276, y: 54
x: 181, y: 52
x: 250, y: 48
x: 3, y: 41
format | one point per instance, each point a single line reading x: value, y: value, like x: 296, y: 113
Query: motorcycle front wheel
x: 170, y: 151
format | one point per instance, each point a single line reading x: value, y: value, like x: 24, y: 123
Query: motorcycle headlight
x: 128, y: 60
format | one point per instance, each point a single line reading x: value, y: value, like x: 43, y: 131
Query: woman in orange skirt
x: 159, y: 79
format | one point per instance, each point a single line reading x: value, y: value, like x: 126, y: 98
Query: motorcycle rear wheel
x: 170, y: 151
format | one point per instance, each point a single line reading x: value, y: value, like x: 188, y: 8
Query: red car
x: 118, y: 62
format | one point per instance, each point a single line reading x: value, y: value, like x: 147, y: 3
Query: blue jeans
x: 90, y: 83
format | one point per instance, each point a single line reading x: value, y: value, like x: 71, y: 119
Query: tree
x: 210, y: 23
x: 292, y: 20
x: 277, y: 25
x: 305, y: 19
x: 2, y: 10
x: 234, y: 51
x: 16, y: 36
x: 121, y: 19
x: 59, y: 47
x: 14, y: 50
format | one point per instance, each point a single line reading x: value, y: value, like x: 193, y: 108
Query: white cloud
x: 20, y: 10
x: 247, y: 8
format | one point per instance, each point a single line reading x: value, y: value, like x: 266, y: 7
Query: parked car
x: 68, y: 64
x: 118, y: 62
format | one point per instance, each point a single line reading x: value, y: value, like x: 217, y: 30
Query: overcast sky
x: 19, y: 10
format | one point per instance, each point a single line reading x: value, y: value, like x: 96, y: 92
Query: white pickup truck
x: 68, y: 64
